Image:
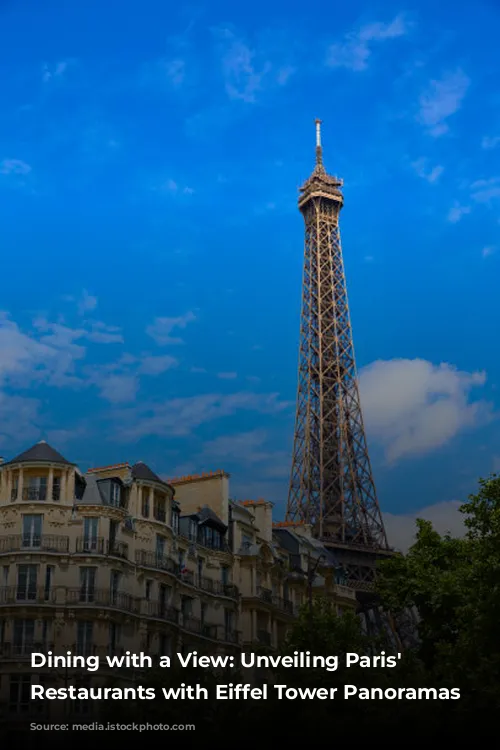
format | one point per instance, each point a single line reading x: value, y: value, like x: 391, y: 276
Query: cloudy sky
x: 152, y: 248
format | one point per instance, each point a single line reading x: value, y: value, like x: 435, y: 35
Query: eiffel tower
x: 331, y: 483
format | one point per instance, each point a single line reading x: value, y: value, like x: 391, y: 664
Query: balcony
x: 231, y: 636
x: 25, y: 648
x: 194, y: 625
x: 160, y: 610
x: 154, y: 560
x: 217, y: 587
x: 30, y: 543
x: 265, y: 595
x: 285, y: 605
x: 25, y: 595
x: 101, y: 546
x: 90, y: 597
x: 118, y: 549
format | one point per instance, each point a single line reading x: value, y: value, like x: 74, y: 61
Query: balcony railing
x: 160, y: 610
x: 230, y: 636
x: 217, y: 587
x: 155, y: 560
x: 284, y: 604
x: 266, y: 595
x: 117, y: 549
x: 194, y: 625
x: 91, y: 545
x: 25, y: 594
x: 89, y: 596
x: 101, y: 546
x: 29, y: 542
x: 24, y: 648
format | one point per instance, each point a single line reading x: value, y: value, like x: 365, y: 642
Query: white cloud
x: 354, y: 51
x: 14, y: 166
x: 489, y: 142
x: 171, y: 186
x: 117, y: 388
x: 412, y: 406
x: 445, y: 517
x: 487, y: 251
x: 157, y: 365
x: 456, y: 212
x: 87, y: 303
x: 431, y: 174
x: 20, y: 417
x: 180, y: 416
x: 484, y: 191
x: 442, y: 99
x: 161, y: 328
x: 248, y: 71
x: 51, y: 72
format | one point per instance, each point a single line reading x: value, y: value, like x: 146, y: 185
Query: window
x: 113, y: 530
x: 15, y: 489
x: 115, y: 494
x: 49, y: 575
x: 56, y: 489
x: 90, y: 531
x: 114, y: 637
x: 160, y: 546
x: 175, y: 520
x: 165, y: 645
x: 87, y: 584
x: 149, y: 588
x: 24, y: 636
x: 165, y: 592
x: 20, y: 693
x: 224, y: 574
x: 5, y: 575
x: 26, y: 582
x: 36, y: 489
x: 114, y: 585
x: 200, y: 567
x: 193, y: 530
x: 246, y: 541
x: 45, y: 634
x: 187, y: 606
x: 32, y: 531
x: 145, y: 504
x: 84, y: 632
x: 228, y: 622
x: 182, y: 559
x: 203, y: 612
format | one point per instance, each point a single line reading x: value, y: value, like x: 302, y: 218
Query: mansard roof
x: 41, y: 452
x: 140, y: 470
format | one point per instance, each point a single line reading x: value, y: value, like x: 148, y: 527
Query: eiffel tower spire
x: 331, y: 483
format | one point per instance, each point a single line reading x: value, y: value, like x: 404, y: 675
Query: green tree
x: 455, y: 586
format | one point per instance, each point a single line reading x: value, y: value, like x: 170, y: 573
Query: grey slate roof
x: 91, y: 493
x: 140, y: 470
x: 206, y: 514
x: 42, y: 452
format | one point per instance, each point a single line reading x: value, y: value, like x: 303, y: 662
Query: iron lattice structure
x: 331, y: 485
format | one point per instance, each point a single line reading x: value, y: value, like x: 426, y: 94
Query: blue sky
x: 152, y: 248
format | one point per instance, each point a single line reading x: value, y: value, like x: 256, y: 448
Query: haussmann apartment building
x: 119, y: 559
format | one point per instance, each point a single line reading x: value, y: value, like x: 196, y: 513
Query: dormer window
x: 115, y: 494
x: 175, y: 520
x: 193, y: 530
